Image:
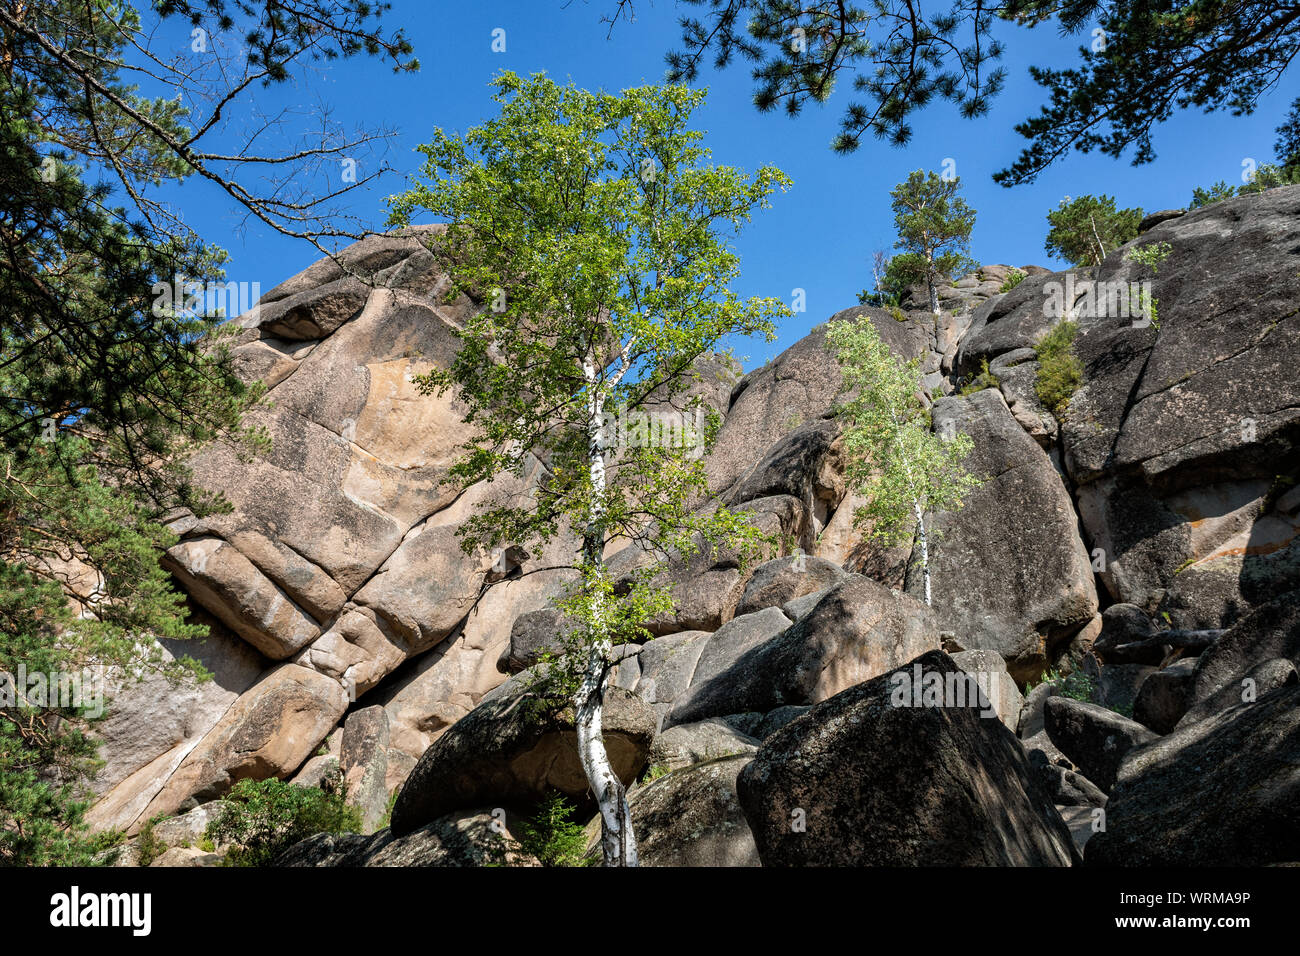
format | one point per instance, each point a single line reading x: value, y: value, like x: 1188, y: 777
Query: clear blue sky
x: 819, y: 235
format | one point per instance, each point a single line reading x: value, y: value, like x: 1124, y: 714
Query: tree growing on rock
x: 934, y: 226
x: 1086, y: 229
x: 893, y: 458
x: 106, y: 385
x: 595, y: 231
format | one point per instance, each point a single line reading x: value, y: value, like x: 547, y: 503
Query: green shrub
x: 1150, y: 255
x: 1266, y: 177
x: 654, y: 773
x: 263, y: 818
x: 387, y: 820
x: 1060, y: 373
x: 1076, y: 685
x: 1203, y: 197
x: 1013, y: 280
x: 985, y: 379
x: 551, y: 837
x: 148, y: 846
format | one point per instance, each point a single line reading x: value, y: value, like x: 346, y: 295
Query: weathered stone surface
x: 458, y: 839
x: 1224, y: 791
x: 1009, y: 571
x: 1094, y: 738
x: 991, y: 671
x: 859, y: 630
x: 783, y: 579
x: 150, y: 726
x: 314, y: 312
x: 515, y: 749
x: 687, y: 744
x: 898, y: 786
x: 1153, y: 219
x: 690, y: 817
x: 1064, y: 786
x: 1182, y: 430
x: 220, y: 578
x: 805, y: 464
x: 187, y: 856
x: 1265, y: 676
x: 533, y: 634
x: 317, y: 770
x: 1271, y: 631
x: 798, y: 387
x: 1163, y: 698
x: 268, y: 732
x: 188, y: 827
x: 774, y: 720
x: 364, y: 763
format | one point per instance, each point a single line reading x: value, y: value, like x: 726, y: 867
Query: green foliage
x: 891, y: 281
x: 934, y: 226
x: 263, y: 818
x: 1269, y: 176
x: 1013, y: 280
x: 106, y: 384
x: 1150, y: 255
x: 597, y: 228
x: 1060, y: 373
x: 893, y: 459
x: 985, y: 379
x: 654, y: 773
x: 1076, y: 685
x: 1203, y: 197
x: 1155, y: 59
x: 899, y: 56
x: 1287, y: 147
x: 387, y: 819
x: 148, y: 846
x: 551, y: 836
x: 1084, y: 230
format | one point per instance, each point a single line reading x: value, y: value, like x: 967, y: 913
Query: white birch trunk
x: 618, y: 844
x: 925, y: 549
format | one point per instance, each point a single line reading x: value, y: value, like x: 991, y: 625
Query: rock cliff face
x: 1144, y: 541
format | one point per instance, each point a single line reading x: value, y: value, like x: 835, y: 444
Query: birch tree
x: 595, y: 232
x: 894, y: 460
x: 934, y: 226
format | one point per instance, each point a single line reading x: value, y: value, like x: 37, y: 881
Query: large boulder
x: 513, y: 749
x: 859, y: 630
x: 1009, y: 571
x: 1163, y: 698
x: 690, y: 817
x: 783, y: 579
x: 473, y: 838
x: 364, y: 763
x: 1271, y: 631
x: 1224, y: 791
x: 858, y: 781
x: 151, y: 725
x: 1180, y: 432
x: 688, y: 744
x: 1094, y: 738
x: 268, y: 732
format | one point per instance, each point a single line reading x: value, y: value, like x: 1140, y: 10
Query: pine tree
x: 934, y: 226
x: 593, y: 226
x: 1085, y: 230
x: 106, y: 386
x: 894, y: 460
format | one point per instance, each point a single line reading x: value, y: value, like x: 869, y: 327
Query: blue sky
x: 819, y: 235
